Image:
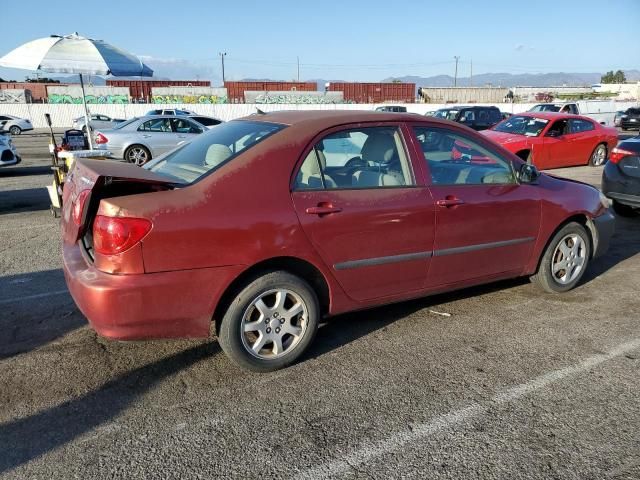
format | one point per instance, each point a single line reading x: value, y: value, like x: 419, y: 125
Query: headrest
x: 379, y: 147
x: 216, y: 154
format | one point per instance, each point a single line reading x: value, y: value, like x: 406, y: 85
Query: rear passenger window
x: 579, y: 126
x: 456, y: 160
x: 358, y: 158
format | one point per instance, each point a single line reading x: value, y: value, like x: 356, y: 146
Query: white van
x: 602, y: 111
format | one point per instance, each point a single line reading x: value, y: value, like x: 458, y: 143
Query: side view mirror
x: 528, y: 173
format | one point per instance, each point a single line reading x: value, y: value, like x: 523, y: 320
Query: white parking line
x: 397, y: 440
x: 32, y: 297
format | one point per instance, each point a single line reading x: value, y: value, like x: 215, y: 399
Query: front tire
x: 599, y: 156
x: 15, y: 130
x: 137, y: 154
x: 270, y: 322
x: 565, y: 260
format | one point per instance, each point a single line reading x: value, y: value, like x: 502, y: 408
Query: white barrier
x: 62, y: 115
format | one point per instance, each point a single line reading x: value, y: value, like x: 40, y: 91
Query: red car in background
x: 265, y: 225
x: 554, y: 140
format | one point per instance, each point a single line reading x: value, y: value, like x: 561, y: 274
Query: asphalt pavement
x: 496, y: 382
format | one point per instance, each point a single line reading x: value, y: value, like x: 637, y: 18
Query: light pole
x: 222, y: 55
x: 455, y: 76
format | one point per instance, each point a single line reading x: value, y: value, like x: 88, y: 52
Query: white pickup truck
x: 602, y: 111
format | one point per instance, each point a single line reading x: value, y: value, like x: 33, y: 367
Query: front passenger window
x: 458, y: 160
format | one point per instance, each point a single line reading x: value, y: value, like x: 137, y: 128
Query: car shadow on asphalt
x: 625, y: 244
x: 28, y: 438
x: 36, y: 310
x: 10, y: 172
x: 25, y: 200
x: 343, y: 329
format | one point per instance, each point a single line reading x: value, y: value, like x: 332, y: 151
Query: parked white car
x: 8, y: 153
x: 15, y: 125
x: 97, y: 122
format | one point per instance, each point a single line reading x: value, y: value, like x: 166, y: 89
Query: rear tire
x: 271, y: 322
x: 565, y: 260
x: 625, y: 210
x: 599, y: 156
x: 15, y: 130
x: 137, y: 154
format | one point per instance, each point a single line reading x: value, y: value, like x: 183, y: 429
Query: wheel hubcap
x: 138, y: 156
x: 568, y: 259
x: 274, y: 323
x: 599, y: 155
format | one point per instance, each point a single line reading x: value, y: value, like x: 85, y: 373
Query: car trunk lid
x: 101, y: 179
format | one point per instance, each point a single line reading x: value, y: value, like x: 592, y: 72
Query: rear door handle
x: 323, y: 209
x: 146, y: 135
x: 449, y: 201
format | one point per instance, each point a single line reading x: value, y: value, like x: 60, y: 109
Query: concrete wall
x: 190, y: 95
x: 62, y: 115
x: 625, y: 91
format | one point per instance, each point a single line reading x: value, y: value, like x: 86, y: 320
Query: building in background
x: 140, y: 90
x: 34, y: 92
x: 622, y: 91
x: 235, y: 90
x: 356, y: 92
x: 463, y: 94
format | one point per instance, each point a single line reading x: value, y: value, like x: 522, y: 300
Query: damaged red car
x: 265, y: 225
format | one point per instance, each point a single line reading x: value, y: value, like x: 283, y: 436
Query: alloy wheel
x: 274, y: 323
x: 568, y: 258
x: 599, y: 156
x: 138, y: 156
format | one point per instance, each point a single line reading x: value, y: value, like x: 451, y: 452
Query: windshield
x: 211, y: 150
x: 446, y: 113
x: 118, y: 126
x: 522, y: 125
x: 545, y: 108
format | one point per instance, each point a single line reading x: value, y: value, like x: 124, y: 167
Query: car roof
x: 328, y: 118
x: 551, y: 115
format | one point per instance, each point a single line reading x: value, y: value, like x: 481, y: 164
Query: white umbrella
x: 75, y: 54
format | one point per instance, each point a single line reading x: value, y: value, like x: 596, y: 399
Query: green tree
x: 613, y: 77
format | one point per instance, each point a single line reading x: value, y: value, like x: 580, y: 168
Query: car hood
x: 507, y: 140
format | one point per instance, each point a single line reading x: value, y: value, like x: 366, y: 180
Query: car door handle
x: 146, y: 135
x: 323, y: 209
x: 449, y: 201
x: 182, y: 136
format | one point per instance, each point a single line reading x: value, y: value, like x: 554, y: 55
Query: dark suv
x: 478, y: 118
x: 630, y: 119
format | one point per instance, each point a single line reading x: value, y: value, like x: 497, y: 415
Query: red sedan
x: 267, y: 224
x: 553, y: 140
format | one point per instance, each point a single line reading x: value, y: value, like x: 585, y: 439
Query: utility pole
x: 222, y: 55
x: 455, y: 76
x: 298, y: 61
x: 471, y: 76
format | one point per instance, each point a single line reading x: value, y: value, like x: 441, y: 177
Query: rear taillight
x: 113, y: 235
x: 618, y: 154
x: 78, y: 206
x: 100, y: 139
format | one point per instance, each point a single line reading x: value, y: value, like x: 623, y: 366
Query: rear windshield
x: 118, y: 126
x: 210, y: 150
x: 522, y: 125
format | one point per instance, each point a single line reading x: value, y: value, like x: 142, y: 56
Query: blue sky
x: 347, y: 40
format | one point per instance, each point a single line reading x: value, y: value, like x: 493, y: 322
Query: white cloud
x: 181, y: 69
